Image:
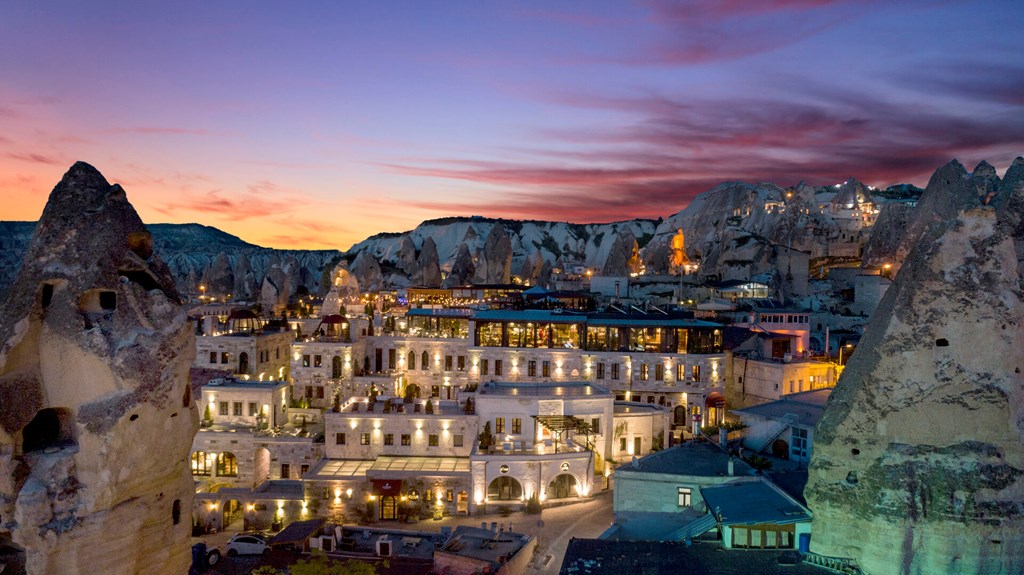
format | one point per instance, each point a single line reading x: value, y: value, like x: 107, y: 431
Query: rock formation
x: 497, y: 256
x: 428, y: 273
x: 97, y: 418
x: 406, y: 256
x: 918, y: 463
x: 463, y: 269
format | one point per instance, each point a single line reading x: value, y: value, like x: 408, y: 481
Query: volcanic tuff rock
x: 918, y: 463
x: 463, y: 269
x: 428, y: 272
x: 486, y: 238
x: 97, y: 417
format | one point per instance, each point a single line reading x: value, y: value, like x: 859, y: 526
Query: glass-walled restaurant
x: 537, y: 329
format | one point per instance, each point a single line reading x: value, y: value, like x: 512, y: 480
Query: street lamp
x: 847, y: 346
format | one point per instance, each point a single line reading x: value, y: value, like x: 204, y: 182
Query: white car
x: 247, y: 544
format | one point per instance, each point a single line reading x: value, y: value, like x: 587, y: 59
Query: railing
x: 786, y: 421
x: 695, y: 528
x: 834, y: 564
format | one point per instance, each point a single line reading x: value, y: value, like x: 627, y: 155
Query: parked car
x: 247, y: 544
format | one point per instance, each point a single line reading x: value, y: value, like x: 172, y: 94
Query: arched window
x: 504, y: 488
x: 243, y: 362
x: 424, y: 361
x: 227, y: 464
x: 200, y: 464
x: 412, y: 361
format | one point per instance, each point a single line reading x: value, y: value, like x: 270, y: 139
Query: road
x: 553, y: 528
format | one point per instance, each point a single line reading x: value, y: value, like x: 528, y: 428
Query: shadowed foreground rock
x: 97, y: 419
x: 918, y: 462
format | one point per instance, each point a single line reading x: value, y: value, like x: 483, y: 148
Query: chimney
x: 731, y: 470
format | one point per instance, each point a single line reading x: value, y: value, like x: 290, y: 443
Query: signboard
x: 503, y: 469
x: 387, y: 486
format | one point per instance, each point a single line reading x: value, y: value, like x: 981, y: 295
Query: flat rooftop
x: 805, y: 408
x: 750, y: 502
x: 232, y: 383
x: 560, y: 389
x: 610, y: 557
x: 484, y: 544
x: 696, y: 458
x: 624, y: 407
x: 446, y: 407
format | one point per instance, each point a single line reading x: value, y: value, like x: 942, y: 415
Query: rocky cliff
x: 97, y: 418
x: 492, y: 250
x: 918, y: 462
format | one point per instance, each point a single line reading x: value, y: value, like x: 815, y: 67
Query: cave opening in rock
x: 51, y: 427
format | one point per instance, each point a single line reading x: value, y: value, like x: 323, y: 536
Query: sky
x: 314, y: 125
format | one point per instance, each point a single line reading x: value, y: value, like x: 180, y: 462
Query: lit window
x: 517, y: 425
x: 684, y: 496
x: 364, y: 439
x: 432, y: 440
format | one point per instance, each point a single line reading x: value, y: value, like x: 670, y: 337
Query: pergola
x: 560, y: 425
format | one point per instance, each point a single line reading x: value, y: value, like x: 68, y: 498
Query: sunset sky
x: 316, y: 127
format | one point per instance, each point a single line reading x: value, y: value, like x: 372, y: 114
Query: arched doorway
x: 562, y: 486
x: 679, y: 416
x: 336, y: 367
x: 232, y: 513
x: 388, y: 507
x: 780, y: 449
x: 243, y: 362
x: 714, y: 408
x: 505, y: 488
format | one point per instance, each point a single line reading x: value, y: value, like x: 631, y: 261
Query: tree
x: 430, y: 407
x: 320, y: 564
x: 486, y: 437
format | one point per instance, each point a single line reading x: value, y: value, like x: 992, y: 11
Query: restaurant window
x: 531, y: 368
x: 305, y: 361
x: 364, y: 439
x: 517, y: 425
x: 546, y: 369
x: 213, y: 357
x: 643, y: 372
x: 223, y: 408
x: 497, y: 367
x: 318, y: 360
x: 406, y: 439
x: 461, y: 363
x: 447, y: 363
x: 499, y: 425
x: 615, y: 371
x: 659, y: 372
x: 389, y: 439
x: 600, y: 371
x: 483, y: 367
x: 432, y: 440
